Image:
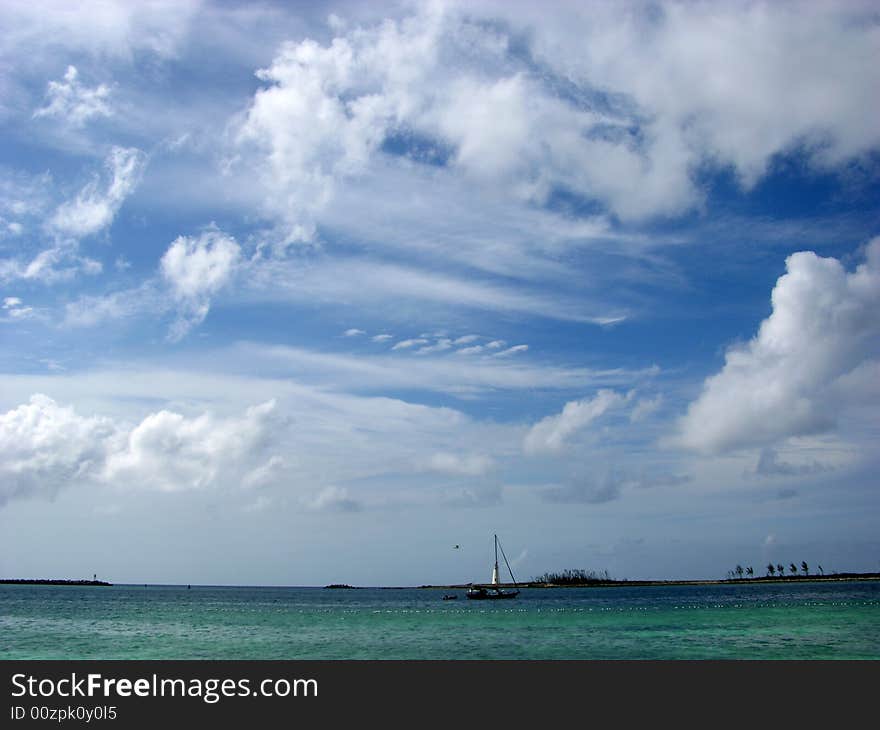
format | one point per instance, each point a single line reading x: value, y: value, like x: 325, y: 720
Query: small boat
x: 494, y: 591
x: 450, y: 597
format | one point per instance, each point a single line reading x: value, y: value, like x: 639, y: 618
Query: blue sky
x: 300, y: 294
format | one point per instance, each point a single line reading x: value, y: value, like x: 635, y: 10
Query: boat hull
x: 491, y: 594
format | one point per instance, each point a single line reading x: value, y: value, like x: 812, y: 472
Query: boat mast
x: 495, y: 568
x: 503, y: 555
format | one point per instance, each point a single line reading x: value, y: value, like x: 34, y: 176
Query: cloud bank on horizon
x: 614, y: 266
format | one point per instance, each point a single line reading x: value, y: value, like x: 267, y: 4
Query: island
x: 603, y: 581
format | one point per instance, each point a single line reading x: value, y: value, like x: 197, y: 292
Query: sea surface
x: 760, y: 621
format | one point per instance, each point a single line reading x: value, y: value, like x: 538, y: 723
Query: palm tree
x: 821, y: 572
x: 771, y: 569
x: 780, y: 568
x: 739, y: 571
x: 792, y: 569
x: 750, y: 571
x: 805, y: 569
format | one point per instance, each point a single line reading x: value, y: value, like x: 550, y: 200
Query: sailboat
x: 494, y: 590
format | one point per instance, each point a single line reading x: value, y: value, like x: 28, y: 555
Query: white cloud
x: 196, y: 269
x: 622, y: 104
x: 466, y: 339
x: 453, y: 375
x: 469, y: 350
x: 45, y: 445
x: 442, y: 344
x: 717, y: 82
x: 461, y: 464
x: 97, y: 203
x: 170, y: 452
x: 406, y: 344
x: 791, y: 379
x: 511, y: 351
x: 74, y: 103
x: 333, y: 499
x: 353, y: 332
x: 51, y: 265
x: 111, y: 28
x: 264, y: 474
x: 16, y: 309
x: 645, y: 408
x: 90, y: 311
x: 381, y: 338
x: 552, y: 433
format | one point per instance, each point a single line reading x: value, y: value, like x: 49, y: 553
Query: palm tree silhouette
x: 805, y: 569
x: 780, y: 568
x: 771, y: 569
x: 793, y: 569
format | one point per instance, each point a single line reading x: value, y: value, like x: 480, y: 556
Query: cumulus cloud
x: 353, y: 332
x: 798, y: 374
x: 622, y: 104
x: 45, y: 446
x: 196, y: 269
x: 552, y: 433
x: 96, y: 204
x: 381, y: 338
x: 170, y: 452
x: 73, y: 102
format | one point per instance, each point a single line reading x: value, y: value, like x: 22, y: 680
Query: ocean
x: 804, y: 620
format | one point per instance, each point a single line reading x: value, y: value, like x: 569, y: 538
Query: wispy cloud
x: 95, y: 206
x: 73, y: 102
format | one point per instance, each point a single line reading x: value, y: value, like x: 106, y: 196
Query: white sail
x: 495, y: 575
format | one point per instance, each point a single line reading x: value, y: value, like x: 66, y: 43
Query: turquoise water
x: 773, y: 621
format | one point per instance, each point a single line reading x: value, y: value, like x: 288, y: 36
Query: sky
x: 303, y: 293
